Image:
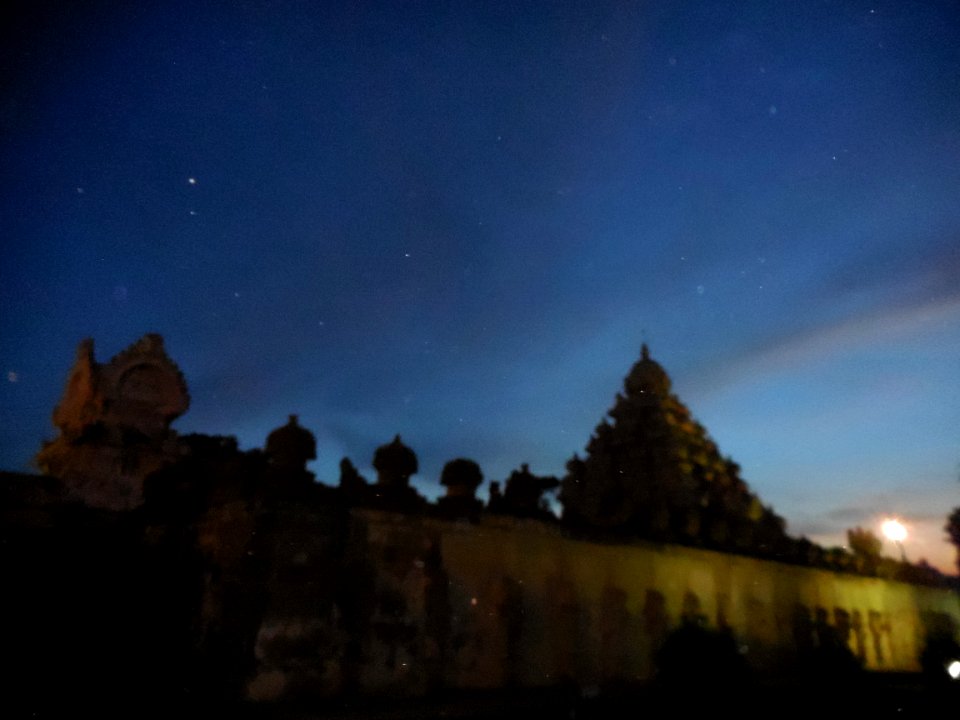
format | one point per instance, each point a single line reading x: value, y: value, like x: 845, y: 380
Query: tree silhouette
x: 865, y: 546
x: 953, y: 531
x: 863, y: 543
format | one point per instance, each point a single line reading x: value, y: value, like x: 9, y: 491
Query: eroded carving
x: 114, y: 422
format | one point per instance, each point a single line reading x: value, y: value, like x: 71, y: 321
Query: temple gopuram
x: 156, y: 562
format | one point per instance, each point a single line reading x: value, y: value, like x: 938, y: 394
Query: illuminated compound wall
x: 417, y: 603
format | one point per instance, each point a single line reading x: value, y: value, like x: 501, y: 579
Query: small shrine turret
x: 288, y: 450
x: 395, y: 463
x: 290, y: 447
x: 461, y: 478
x: 523, y: 495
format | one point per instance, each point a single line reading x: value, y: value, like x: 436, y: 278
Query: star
x: 192, y: 180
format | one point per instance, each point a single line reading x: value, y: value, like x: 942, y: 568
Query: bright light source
x: 953, y: 669
x: 894, y: 530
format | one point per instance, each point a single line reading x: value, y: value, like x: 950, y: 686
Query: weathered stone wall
x: 413, y: 603
x: 313, y: 598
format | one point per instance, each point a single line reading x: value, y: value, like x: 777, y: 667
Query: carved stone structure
x: 114, y: 421
x: 289, y: 448
x: 352, y: 484
x: 461, y: 477
x: 241, y: 576
x: 395, y: 463
x: 654, y: 472
x: 523, y: 495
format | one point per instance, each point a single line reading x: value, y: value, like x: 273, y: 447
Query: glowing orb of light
x: 894, y: 530
x: 953, y: 669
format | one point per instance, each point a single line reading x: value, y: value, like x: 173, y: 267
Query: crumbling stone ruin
x: 114, y: 422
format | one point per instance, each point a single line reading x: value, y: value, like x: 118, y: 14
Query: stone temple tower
x: 651, y: 470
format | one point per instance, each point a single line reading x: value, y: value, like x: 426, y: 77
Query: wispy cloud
x: 884, y: 326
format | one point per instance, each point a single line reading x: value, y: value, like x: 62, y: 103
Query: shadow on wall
x: 604, y: 642
x: 696, y: 655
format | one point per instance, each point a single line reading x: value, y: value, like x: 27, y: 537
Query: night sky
x: 459, y: 221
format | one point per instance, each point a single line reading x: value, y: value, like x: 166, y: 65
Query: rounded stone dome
x: 291, y: 445
x: 647, y: 377
x: 461, y: 473
x: 394, y: 463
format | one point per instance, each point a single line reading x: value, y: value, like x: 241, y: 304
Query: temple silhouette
x: 236, y: 574
x: 651, y: 470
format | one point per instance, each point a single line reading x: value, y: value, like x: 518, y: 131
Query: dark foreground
x: 873, y: 695
x: 870, y: 696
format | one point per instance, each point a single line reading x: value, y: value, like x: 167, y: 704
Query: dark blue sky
x: 458, y: 221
